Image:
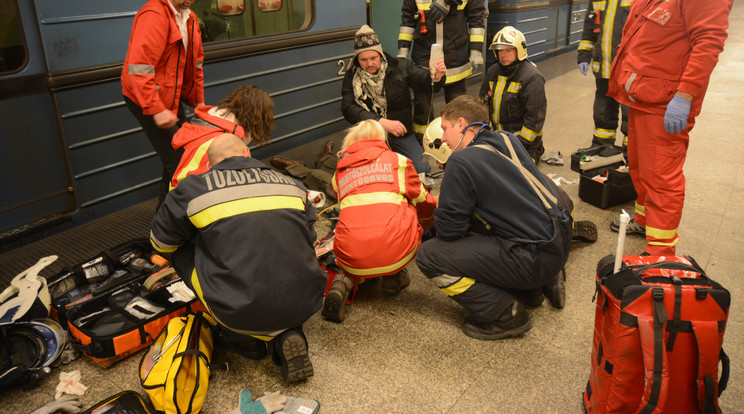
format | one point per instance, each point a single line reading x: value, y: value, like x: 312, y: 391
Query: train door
x: 560, y: 26
x: 37, y: 188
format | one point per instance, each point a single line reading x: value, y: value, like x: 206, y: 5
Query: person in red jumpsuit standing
x: 661, y: 71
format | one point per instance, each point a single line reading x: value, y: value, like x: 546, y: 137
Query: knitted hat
x: 366, y: 39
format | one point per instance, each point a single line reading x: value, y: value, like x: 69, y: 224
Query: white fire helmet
x: 509, y: 37
x: 433, y: 145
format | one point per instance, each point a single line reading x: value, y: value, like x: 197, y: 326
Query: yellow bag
x: 175, y: 370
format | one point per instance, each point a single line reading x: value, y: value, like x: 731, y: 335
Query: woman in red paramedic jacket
x: 247, y: 113
x: 383, y: 206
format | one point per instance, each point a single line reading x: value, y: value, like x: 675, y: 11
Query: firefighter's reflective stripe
x: 380, y: 270
x: 529, y: 134
x: 607, y: 33
x: 264, y: 336
x: 419, y: 129
x: 477, y: 34
x: 371, y: 198
x: 587, y: 45
x: 452, y: 285
x: 426, y: 4
x: 133, y: 69
x: 232, y: 201
x: 514, y: 87
x: 498, y: 95
x: 160, y: 246
x: 603, y: 133
x: 406, y: 33
x: 193, y: 163
x: 459, y: 73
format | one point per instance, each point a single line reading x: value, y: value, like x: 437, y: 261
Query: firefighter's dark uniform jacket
x: 462, y: 30
x: 480, y: 181
x: 242, y: 236
x: 401, y: 74
x: 603, y: 30
x: 517, y: 101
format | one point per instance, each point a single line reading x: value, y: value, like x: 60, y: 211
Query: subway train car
x: 69, y: 147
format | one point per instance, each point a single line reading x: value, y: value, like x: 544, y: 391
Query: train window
x: 13, y: 52
x: 222, y: 20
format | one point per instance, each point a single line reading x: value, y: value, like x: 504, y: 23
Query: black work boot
x: 555, y: 291
x: 334, y: 305
x: 247, y: 346
x: 393, y: 284
x: 291, y: 354
x: 530, y: 298
x: 513, y: 321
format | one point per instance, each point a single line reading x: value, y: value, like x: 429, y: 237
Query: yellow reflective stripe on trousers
x: 604, y: 133
x: 640, y: 209
x: 379, y: 270
x: 371, y: 198
x: 419, y: 129
x: 452, y: 285
x: 194, y: 163
x: 246, y: 205
x: 662, y: 235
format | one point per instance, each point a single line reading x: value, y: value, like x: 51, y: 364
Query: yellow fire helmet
x: 509, y: 37
x: 433, y: 145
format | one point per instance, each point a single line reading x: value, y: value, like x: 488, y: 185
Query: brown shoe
x: 393, y: 284
x: 324, y: 152
x: 282, y: 163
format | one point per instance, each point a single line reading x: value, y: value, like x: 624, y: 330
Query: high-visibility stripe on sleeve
x: 140, y: 69
x: 371, y: 198
x: 452, y: 285
x: 477, y: 34
x: 419, y: 129
x: 586, y: 45
x: 406, y: 33
x: 528, y: 134
x: 421, y: 197
x: 402, y: 164
x: 160, y: 246
x: 459, y: 73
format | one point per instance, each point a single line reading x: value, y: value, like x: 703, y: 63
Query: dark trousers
x: 161, y: 142
x: 605, y: 115
x: 423, y: 113
x: 478, y: 271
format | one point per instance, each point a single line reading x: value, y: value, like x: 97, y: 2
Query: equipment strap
x: 655, y: 358
x: 709, y: 353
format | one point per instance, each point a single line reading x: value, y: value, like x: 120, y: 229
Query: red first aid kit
x: 117, y: 302
x: 658, y: 335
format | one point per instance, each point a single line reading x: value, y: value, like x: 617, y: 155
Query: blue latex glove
x: 584, y: 68
x: 675, y: 118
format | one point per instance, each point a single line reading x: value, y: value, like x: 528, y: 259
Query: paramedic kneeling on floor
x: 500, y: 234
x: 241, y: 236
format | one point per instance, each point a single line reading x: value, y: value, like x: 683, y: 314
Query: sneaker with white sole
x: 632, y: 228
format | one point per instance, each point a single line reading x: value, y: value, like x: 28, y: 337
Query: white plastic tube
x: 624, y: 220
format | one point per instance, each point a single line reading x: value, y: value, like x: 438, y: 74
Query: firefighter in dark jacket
x: 515, y: 91
x: 459, y: 26
x: 603, y: 29
x: 241, y: 235
x: 503, y: 232
x: 377, y: 87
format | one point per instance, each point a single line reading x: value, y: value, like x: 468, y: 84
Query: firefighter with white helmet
x: 515, y: 91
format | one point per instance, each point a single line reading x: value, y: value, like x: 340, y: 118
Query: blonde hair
x: 367, y: 129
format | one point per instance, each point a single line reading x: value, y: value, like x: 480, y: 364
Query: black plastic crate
x: 617, y: 189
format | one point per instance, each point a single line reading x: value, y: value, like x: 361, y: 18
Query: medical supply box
x: 604, y: 180
x: 116, y: 303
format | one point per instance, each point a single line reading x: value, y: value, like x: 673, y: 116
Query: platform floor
x: 407, y: 354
